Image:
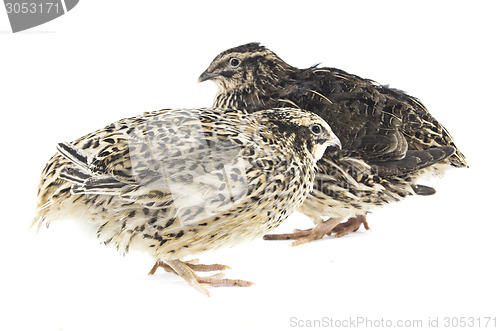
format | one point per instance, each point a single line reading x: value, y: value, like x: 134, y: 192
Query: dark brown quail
x: 178, y: 182
x: 389, y: 138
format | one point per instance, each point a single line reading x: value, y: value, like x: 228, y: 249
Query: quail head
x: 178, y: 182
x: 389, y: 138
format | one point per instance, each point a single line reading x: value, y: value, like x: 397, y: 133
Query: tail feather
x: 75, y: 155
x: 83, y: 179
x: 423, y: 190
x: 414, y: 161
x: 74, y: 175
x: 103, y: 184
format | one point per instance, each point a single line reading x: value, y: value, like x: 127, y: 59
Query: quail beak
x: 207, y: 75
x: 334, y: 141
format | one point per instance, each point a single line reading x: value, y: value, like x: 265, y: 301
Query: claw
x: 328, y: 227
x: 193, y: 264
x: 305, y: 236
x: 187, y: 271
x: 351, y: 225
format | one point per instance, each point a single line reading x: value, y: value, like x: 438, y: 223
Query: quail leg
x: 305, y: 236
x: 185, y: 271
x: 351, y: 225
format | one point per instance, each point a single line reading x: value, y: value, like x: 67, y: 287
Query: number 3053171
x: 32, y: 8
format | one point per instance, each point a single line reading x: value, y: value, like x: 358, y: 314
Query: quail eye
x: 316, y: 129
x: 234, y: 62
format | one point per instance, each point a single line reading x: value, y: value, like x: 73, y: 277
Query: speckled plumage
x: 389, y: 138
x: 179, y: 182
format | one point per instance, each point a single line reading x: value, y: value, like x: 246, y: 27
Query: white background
x: 425, y: 257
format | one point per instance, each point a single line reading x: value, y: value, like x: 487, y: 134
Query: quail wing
x: 177, y: 159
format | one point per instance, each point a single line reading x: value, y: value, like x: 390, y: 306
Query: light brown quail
x: 179, y: 182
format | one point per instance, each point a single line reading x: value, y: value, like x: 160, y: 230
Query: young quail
x: 389, y: 138
x: 179, y: 182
